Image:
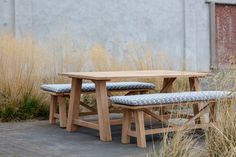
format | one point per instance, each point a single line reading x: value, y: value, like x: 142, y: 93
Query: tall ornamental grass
x: 181, y: 145
x: 21, y: 70
x: 221, y: 139
x: 24, y: 66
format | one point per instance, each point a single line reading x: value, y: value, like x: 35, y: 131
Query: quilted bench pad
x: 170, y: 98
x: 90, y: 87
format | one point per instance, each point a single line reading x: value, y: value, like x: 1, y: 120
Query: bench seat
x: 59, y: 92
x: 90, y: 87
x: 169, y: 98
x: 136, y: 106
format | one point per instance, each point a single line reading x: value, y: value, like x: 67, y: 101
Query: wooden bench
x: 141, y: 105
x: 59, y: 93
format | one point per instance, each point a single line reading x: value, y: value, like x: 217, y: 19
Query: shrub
x: 31, y: 108
x: 20, y: 70
x: 7, y: 114
x: 23, y: 67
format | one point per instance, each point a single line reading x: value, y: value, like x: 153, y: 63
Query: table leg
x: 213, y: 112
x: 166, y: 88
x: 103, y: 111
x: 195, y: 86
x: 167, y: 85
x: 74, y: 103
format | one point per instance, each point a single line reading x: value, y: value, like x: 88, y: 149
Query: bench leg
x: 62, y: 111
x: 212, y: 107
x: 140, y: 128
x: 126, y: 126
x: 53, y: 108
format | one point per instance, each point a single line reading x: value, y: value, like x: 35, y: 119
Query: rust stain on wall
x: 226, y: 35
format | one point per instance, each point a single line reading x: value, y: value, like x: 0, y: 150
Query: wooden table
x: 100, y: 79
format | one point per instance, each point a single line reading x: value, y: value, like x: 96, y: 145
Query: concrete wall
x: 7, y: 16
x: 179, y: 28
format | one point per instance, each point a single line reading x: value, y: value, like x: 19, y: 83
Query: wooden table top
x: 111, y: 75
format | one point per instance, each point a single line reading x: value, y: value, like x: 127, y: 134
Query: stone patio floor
x: 40, y: 139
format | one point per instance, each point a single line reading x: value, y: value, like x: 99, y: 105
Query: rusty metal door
x: 225, y: 16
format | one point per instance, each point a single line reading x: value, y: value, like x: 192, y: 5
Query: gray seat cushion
x: 170, y: 98
x: 90, y: 87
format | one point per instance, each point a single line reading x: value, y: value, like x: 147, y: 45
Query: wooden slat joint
x: 56, y: 115
x: 132, y: 133
x: 85, y: 124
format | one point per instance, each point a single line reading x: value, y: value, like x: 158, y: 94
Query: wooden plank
x: 116, y: 121
x: 196, y: 116
x: 62, y: 111
x: 86, y: 124
x: 140, y: 128
x: 56, y: 115
x: 195, y: 112
x: 178, y: 128
x: 166, y: 88
x: 112, y: 121
x: 74, y: 104
x: 194, y: 84
x: 157, y: 117
x: 173, y: 129
x: 56, y: 94
x: 166, y: 117
x: 213, y: 112
x: 114, y: 111
x: 167, y: 85
x: 127, y: 90
x: 109, y: 94
x: 103, y: 111
x: 53, y: 107
x: 132, y: 93
x: 88, y: 107
x: 132, y: 133
x: 126, y: 126
x: 112, y: 75
x: 87, y: 113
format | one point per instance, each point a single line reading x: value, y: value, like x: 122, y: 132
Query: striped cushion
x: 90, y: 87
x: 169, y: 98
